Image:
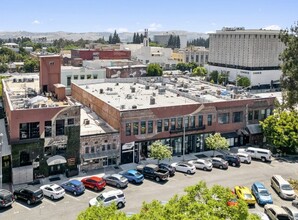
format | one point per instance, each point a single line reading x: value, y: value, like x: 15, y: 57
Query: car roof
x: 112, y: 192
x: 132, y: 171
x: 4, y: 192
x: 29, y: 187
x: 75, y: 182
x: 292, y: 208
x: 277, y: 209
x: 259, y: 185
x: 96, y: 178
x: 116, y: 175
x: 244, y: 189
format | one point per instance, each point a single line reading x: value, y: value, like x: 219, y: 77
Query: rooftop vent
x: 14, y: 80
x: 134, y: 107
x: 86, y: 121
x: 128, y: 96
x: 133, y: 89
x: 161, y: 90
x: 153, y: 94
x: 101, y: 91
x: 117, y: 84
x: 147, y: 87
x: 122, y: 106
x: 152, y: 100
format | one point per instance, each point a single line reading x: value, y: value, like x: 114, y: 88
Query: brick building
x: 92, y: 54
x: 179, y: 112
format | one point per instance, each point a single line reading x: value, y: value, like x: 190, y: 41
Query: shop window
x: 223, y: 118
x: 150, y: 127
x: 166, y: 124
x: 159, y: 125
x: 143, y: 127
x: 209, y: 120
x: 135, y: 128
x: 128, y: 129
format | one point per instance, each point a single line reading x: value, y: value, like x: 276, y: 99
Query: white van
x: 282, y: 187
x: 258, y: 153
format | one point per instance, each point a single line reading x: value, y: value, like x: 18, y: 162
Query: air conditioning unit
x: 86, y: 121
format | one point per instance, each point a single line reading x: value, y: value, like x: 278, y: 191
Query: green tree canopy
x: 289, y: 57
x: 154, y: 69
x: 243, y: 81
x: 199, y: 202
x: 199, y: 71
x: 281, y: 130
x: 159, y: 151
x: 216, y: 142
x: 31, y: 65
x: 213, y: 76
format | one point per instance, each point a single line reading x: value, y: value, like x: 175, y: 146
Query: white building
x: 250, y: 53
x: 198, y: 55
x: 12, y: 46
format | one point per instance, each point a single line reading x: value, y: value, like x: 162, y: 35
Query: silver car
x: 116, y: 180
x: 202, y: 164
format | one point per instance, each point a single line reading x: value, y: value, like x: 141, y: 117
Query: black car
x: 167, y: 167
x: 31, y: 194
x: 232, y: 159
x: 6, y: 198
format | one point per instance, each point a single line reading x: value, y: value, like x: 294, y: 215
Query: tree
x: 216, y: 142
x: 243, y: 81
x: 182, y: 67
x: 3, y: 68
x: 281, y: 130
x: 30, y: 65
x: 198, y: 202
x: 214, y: 76
x: 289, y: 78
x: 199, y: 71
x: 154, y: 69
x: 159, y: 151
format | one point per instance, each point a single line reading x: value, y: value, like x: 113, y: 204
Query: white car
x: 244, y: 157
x: 107, y: 198
x: 202, y: 164
x: 184, y: 167
x: 53, y: 191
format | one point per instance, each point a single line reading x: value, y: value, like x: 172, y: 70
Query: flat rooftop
x: 24, y: 93
x: 92, y: 124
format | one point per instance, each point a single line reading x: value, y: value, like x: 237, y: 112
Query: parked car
x: 282, y: 187
x: 261, y: 194
x: 295, y: 203
x: 73, y: 186
x: 167, y: 167
x: 133, y: 176
x: 94, y: 182
x: 233, y: 160
x: 276, y: 212
x: 107, y: 198
x: 53, y: 191
x: 292, y: 212
x: 260, y: 214
x: 258, y: 153
x: 232, y: 202
x: 153, y: 171
x: 116, y: 180
x: 184, y: 167
x: 30, y: 194
x: 244, y: 193
x: 244, y: 158
x: 6, y: 198
x: 219, y: 163
x: 202, y: 164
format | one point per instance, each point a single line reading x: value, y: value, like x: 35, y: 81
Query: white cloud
x: 36, y: 22
x: 118, y: 30
x: 213, y: 23
x: 154, y: 26
x: 272, y: 27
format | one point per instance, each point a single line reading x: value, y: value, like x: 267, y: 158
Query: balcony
x: 196, y: 128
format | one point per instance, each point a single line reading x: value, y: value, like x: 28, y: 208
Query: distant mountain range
x: 124, y: 37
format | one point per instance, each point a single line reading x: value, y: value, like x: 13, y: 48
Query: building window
x: 82, y: 77
x: 186, y: 122
x: 179, y: 123
x: 237, y: 117
x: 70, y: 121
x: 60, y: 127
x: 95, y: 76
x: 135, y: 128
x: 68, y: 81
x: 263, y: 114
x: 88, y: 76
x: 86, y: 150
x: 103, y: 147
x: 143, y: 127
x: 200, y: 120
x: 192, y: 121
x: 114, y: 146
x: 92, y: 150
x: 29, y: 130
x: 108, y: 147
x: 159, y: 125
x: 128, y: 129
x: 150, y: 127
x: 250, y: 115
x: 166, y: 125
x: 197, y: 58
x: 223, y: 118
x: 209, y: 120
x: 173, y: 123
x: 256, y: 114
x: 52, y: 63
x: 75, y: 77
x: 48, y: 128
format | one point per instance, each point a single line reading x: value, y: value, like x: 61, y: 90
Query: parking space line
x: 47, y: 200
x: 23, y: 206
x: 95, y: 193
x: 68, y: 196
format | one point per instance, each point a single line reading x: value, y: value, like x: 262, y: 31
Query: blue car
x: 262, y: 195
x: 133, y: 176
x: 74, y: 186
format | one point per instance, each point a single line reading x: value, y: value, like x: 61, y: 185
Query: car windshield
x: 58, y: 188
x: 264, y: 193
x: 122, y: 178
x: 286, y: 187
x: 100, y: 197
x: 247, y: 196
x: 283, y: 217
x: 137, y: 174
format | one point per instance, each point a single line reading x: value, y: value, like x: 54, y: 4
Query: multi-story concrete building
x: 198, y: 55
x: 250, y: 53
x: 179, y: 112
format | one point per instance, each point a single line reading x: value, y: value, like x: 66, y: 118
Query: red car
x: 94, y: 182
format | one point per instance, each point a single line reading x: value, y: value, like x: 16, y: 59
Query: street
x: 69, y: 207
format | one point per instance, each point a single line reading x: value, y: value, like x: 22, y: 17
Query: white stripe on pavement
x: 73, y: 197
x: 23, y: 206
x: 47, y: 200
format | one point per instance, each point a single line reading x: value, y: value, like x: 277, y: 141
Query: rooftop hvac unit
x: 122, y: 106
x: 152, y: 100
x: 161, y: 90
x: 128, y: 96
x: 147, y: 87
x: 133, y: 89
x: 101, y: 91
x: 134, y: 107
x: 14, y: 80
x: 117, y: 84
x: 86, y: 122
x: 153, y: 94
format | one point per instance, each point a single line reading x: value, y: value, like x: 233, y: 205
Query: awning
x: 230, y: 135
x: 244, y: 132
x: 55, y: 160
x: 254, y: 129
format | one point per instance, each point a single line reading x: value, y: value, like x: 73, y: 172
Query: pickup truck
x: 153, y: 171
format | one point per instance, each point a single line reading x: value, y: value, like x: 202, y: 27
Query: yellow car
x: 244, y: 193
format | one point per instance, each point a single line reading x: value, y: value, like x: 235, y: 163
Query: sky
x: 203, y: 16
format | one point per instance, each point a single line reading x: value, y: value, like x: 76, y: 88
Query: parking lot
x: 70, y: 206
